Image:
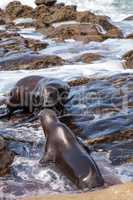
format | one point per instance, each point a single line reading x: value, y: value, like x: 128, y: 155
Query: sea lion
x: 63, y: 149
x: 33, y: 93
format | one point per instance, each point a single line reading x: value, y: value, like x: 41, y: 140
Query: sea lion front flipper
x: 47, y: 159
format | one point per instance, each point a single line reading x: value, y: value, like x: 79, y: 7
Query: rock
x: 6, y: 158
x: 122, y: 153
x: 2, y: 21
x: 111, y: 30
x: 103, y: 21
x: 114, y: 33
x: 89, y: 57
x: 118, y: 192
x: 35, y: 45
x: 12, y: 45
x: 18, y: 60
x: 85, y: 16
x: 16, y: 10
x: 47, y: 61
x: 9, y: 34
x: 2, y: 17
x: 130, y: 36
x: 45, y: 2
x: 80, y: 32
x: 129, y: 18
x: 47, y: 15
x: 31, y: 61
x: 128, y: 59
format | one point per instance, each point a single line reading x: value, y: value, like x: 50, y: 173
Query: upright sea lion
x: 63, y: 149
x: 33, y: 93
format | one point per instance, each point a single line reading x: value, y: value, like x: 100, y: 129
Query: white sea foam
x: 66, y: 72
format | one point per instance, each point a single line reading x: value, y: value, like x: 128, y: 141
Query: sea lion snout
x: 48, y: 115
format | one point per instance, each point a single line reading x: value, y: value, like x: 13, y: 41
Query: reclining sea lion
x: 33, y: 93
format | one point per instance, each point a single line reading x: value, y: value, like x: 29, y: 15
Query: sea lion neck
x: 48, y: 120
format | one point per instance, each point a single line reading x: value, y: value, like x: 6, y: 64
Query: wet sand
x: 118, y: 192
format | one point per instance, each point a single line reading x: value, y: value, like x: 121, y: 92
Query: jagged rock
x: 80, y: 32
x: 85, y: 16
x: 89, y: 57
x: 6, y: 158
x: 47, y: 61
x: 5, y: 34
x: 128, y: 59
x: 45, y: 2
x: 2, y: 17
x: 16, y: 10
x: 47, y: 15
x: 35, y: 45
x: 103, y: 21
x: 31, y: 61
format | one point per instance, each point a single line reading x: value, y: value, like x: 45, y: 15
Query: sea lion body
x: 63, y: 149
x: 36, y: 92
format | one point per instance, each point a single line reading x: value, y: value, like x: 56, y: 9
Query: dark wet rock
x: 35, y: 45
x: 122, y: 153
x: 128, y: 59
x: 15, y: 10
x: 80, y: 32
x: 2, y: 17
x: 2, y: 21
x: 130, y: 36
x: 25, y: 60
x: 13, y: 44
x: 17, y: 60
x: 46, y: 16
x: 9, y: 34
x: 45, y: 2
x: 6, y: 158
x: 89, y: 57
x: 80, y: 81
x: 104, y: 97
x: 45, y: 62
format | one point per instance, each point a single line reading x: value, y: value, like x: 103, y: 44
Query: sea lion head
x: 48, y: 118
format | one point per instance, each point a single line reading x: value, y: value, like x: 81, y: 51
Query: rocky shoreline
x: 57, y: 22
